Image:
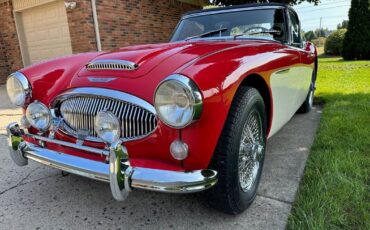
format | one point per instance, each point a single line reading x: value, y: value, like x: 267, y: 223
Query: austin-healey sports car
x: 190, y: 115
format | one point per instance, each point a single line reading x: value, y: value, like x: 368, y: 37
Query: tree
x: 356, y: 43
x: 334, y: 42
x: 322, y: 32
x: 237, y: 2
x: 310, y: 35
x: 343, y: 25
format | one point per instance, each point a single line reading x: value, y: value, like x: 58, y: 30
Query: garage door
x: 46, y: 32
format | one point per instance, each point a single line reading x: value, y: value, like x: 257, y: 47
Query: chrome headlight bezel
x: 194, y: 98
x: 46, y: 112
x: 25, y: 86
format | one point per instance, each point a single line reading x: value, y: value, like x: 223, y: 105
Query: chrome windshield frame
x: 226, y: 10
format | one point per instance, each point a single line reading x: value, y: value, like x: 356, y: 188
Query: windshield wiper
x: 277, y: 32
x: 206, y: 34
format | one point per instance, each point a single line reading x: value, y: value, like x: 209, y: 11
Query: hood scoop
x: 106, y: 64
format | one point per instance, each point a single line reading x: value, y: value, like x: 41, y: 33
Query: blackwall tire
x: 240, y: 153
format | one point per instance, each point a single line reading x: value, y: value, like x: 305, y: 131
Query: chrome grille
x: 79, y: 112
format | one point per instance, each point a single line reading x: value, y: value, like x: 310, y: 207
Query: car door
x: 290, y: 84
x: 307, y: 57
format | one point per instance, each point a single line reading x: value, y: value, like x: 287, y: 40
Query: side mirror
x: 309, y: 47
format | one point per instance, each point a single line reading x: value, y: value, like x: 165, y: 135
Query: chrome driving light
x: 178, y: 101
x: 18, y: 88
x: 107, y: 126
x: 38, y: 115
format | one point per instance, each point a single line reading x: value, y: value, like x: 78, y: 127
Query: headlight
x: 18, y: 88
x: 107, y: 126
x: 178, y: 101
x: 38, y: 115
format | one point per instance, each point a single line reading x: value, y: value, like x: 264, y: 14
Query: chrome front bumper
x: 118, y: 173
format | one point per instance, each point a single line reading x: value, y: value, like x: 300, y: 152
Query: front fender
x: 219, y: 76
x: 49, y: 78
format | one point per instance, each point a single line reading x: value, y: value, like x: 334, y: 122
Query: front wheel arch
x: 256, y: 81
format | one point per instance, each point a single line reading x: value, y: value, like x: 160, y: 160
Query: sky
x: 332, y: 13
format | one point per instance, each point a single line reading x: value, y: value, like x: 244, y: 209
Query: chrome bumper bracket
x: 118, y: 173
x: 16, y: 144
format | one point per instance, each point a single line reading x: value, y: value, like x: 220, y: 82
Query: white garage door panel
x: 46, y: 31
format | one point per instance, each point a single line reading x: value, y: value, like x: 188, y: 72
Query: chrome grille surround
x: 112, y: 65
x: 79, y: 106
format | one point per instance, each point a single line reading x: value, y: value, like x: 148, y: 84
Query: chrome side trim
x: 108, y: 93
x: 112, y: 64
x: 282, y: 71
x: 121, y: 176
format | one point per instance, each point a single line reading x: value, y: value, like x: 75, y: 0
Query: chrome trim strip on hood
x: 111, y: 64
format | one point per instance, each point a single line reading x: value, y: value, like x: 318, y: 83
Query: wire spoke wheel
x: 250, y: 151
x: 240, y: 153
x: 310, y: 97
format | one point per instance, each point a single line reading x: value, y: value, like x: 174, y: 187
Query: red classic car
x: 190, y: 115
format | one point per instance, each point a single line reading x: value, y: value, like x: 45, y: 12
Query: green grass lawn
x: 335, y: 190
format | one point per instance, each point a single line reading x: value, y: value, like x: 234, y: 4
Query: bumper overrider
x: 118, y: 173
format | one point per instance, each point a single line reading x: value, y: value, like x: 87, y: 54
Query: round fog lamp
x: 179, y: 150
x: 38, y: 115
x: 107, y: 126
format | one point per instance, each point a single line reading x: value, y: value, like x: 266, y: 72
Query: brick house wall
x: 124, y: 23
x: 11, y: 58
x: 81, y: 27
x: 3, y: 61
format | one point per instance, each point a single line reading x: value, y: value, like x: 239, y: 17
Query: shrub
x: 319, y: 42
x: 334, y: 43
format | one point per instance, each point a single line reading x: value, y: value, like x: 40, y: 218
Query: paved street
x: 37, y: 197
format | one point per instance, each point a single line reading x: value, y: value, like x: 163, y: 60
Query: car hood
x: 149, y: 57
x: 155, y: 62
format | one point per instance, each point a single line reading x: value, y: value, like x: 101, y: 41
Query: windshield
x: 247, y: 22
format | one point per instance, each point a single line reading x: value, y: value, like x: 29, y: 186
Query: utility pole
x: 320, y: 30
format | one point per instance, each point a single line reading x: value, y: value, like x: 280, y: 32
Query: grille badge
x: 101, y: 79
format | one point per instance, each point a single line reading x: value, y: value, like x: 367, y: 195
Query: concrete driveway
x: 37, y: 197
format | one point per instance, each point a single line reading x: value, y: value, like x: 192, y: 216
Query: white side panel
x: 289, y: 90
